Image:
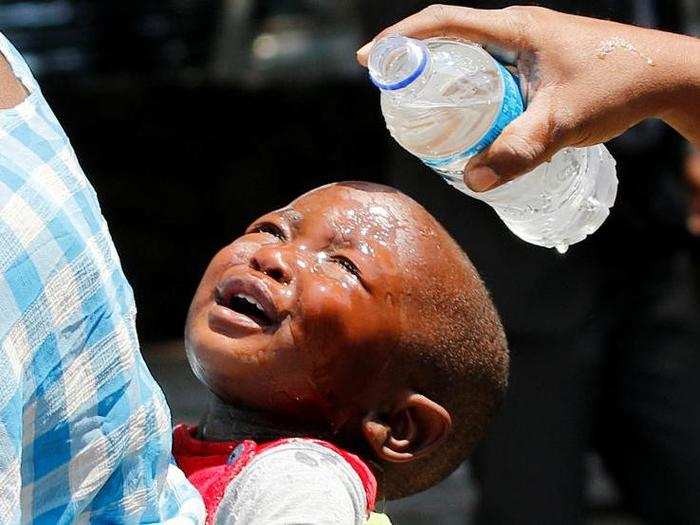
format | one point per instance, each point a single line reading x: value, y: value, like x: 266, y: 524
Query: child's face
x: 299, y: 314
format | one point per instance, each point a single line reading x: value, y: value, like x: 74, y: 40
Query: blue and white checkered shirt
x: 85, y: 431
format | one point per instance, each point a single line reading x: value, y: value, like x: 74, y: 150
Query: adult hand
x: 585, y: 80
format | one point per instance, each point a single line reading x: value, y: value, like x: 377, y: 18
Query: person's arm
x: 12, y: 92
x: 298, y: 482
x: 585, y: 80
x: 12, y: 352
x: 682, y: 103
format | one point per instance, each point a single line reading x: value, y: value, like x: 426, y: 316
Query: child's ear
x: 415, y: 426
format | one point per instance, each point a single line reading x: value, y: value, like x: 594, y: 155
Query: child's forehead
x: 338, y: 202
x: 376, y: 217
x: 337, y: 193
x: 389, y: 226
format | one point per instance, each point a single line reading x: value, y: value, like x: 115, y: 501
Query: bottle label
x: 511, y: 107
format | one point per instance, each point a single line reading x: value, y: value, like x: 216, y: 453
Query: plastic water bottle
x: 444, y: 100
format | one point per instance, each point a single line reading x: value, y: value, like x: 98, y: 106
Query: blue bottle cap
x: 396, y: 61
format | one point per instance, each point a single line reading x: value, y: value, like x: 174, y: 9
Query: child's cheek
x: 334, y: 312
x: 323, y: 305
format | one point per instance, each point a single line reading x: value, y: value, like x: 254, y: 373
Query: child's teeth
x: 250, y: 300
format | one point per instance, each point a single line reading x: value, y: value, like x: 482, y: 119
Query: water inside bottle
x: 456, y: 105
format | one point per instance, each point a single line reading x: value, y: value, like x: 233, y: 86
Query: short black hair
x: 454, y: 352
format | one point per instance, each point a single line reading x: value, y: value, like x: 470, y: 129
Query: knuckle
x: 563, y: 127
x: 520, y: 22
x: 557, y: 126
x: 516, y: 10
x: 439, y: 13
x: 523, y: 150
x: 528, y: 13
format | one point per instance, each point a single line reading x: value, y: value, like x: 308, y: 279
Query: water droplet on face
x: 379, y: 210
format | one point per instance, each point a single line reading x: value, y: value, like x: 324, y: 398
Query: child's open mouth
x: 248, y: 306
x: 243, y: 304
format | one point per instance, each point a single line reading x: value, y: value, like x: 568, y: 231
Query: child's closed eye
x: 269, y: 228
x: 347, y: 264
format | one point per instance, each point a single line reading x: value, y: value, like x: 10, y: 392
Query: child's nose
x: 270, y: 261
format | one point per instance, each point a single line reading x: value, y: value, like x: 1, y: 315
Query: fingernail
x: 365, y: 49
x: 481, y: 178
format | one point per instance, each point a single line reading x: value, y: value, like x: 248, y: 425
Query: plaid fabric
x: 85, y: 431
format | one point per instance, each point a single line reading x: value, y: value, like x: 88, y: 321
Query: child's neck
x: 222, y: 422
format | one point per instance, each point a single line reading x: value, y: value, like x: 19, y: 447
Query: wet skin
x: 299, y: 316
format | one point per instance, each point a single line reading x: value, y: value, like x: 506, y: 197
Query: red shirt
x: 211, y: 465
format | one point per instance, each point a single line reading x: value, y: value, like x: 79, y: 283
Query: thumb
x: 524, y: 144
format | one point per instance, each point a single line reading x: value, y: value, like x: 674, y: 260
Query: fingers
x: 507, y: 28
x: 523, y: 145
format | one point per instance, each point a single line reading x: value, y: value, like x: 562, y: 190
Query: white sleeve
x: 297, y: 483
